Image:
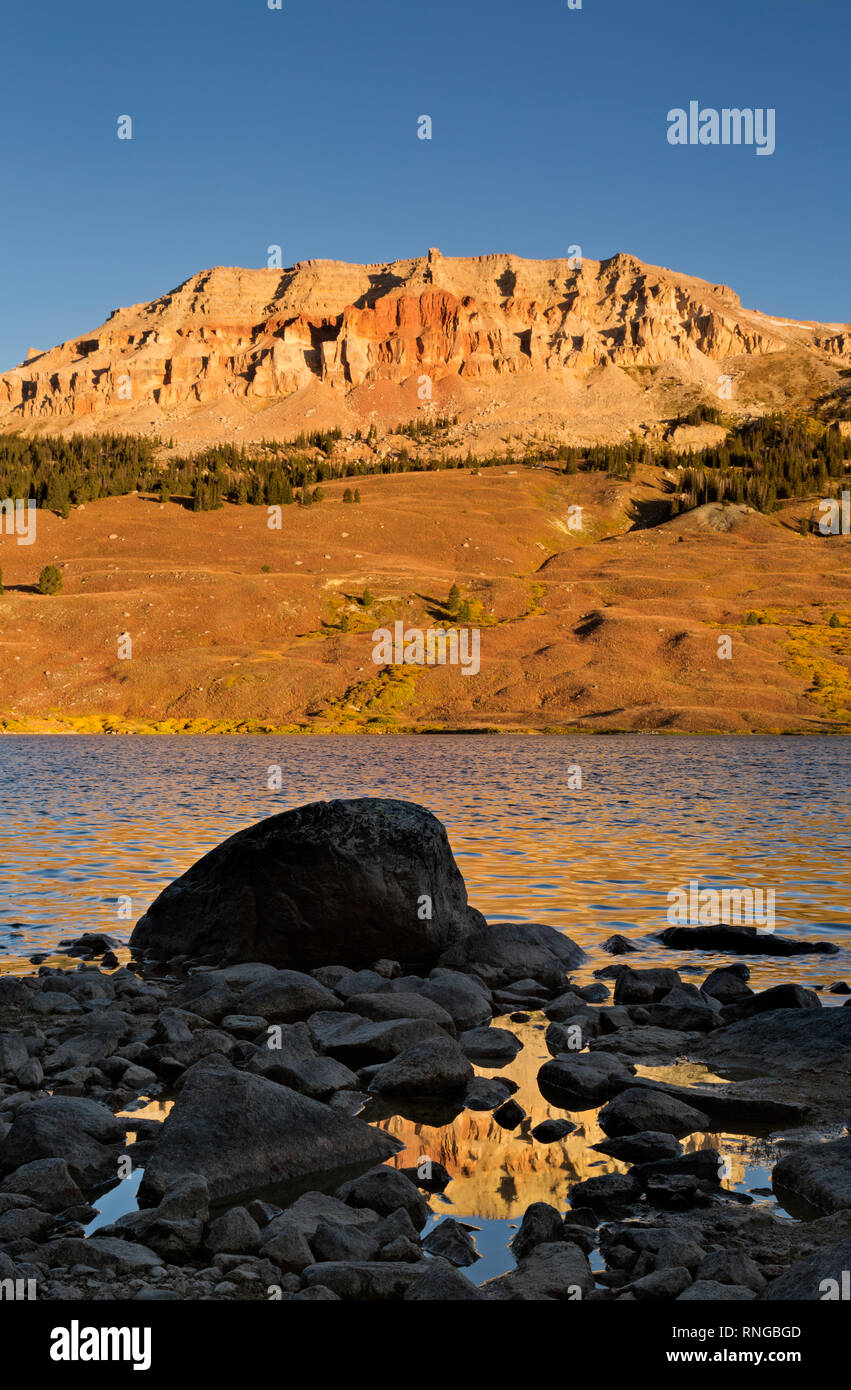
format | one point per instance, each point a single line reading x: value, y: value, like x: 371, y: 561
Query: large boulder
x: 821, y: 1278
x: 330, y: 883
x: 747, y: 940
x: 818, y: 1173
x: 783, y: 1040
x: 242, y: 1133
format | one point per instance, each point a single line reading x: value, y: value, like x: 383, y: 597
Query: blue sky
x: 298, y: 127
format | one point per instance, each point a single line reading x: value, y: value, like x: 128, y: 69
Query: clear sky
x: 298, y: 127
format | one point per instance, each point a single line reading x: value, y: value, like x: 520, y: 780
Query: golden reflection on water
x: 84, y: 821
x: 497, y: 1173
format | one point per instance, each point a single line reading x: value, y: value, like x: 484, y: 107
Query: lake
x: 86, y: 822
x: 587, y: 834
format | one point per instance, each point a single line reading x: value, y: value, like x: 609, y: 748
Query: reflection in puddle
x: 499, y: 1173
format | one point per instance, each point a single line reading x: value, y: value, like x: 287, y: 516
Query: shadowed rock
x: 329, y: 883
x: 746, y: 940
x: 242, y: 1133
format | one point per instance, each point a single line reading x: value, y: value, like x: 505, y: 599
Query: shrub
x: 50, y: 580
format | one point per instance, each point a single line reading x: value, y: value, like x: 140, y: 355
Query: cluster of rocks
x: 265, y: 1179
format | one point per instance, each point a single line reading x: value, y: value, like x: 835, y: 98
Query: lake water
x: 87, y: 822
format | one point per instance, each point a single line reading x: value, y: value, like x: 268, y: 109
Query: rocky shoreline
x: 325, y: 965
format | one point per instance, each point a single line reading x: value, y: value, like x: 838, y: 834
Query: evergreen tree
x: 50, y: 580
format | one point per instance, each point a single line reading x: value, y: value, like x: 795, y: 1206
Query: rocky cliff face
x: 262, y: 336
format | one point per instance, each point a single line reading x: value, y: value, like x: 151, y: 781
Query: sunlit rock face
x: 260, y: 336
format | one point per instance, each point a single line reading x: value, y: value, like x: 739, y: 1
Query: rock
x: 541, y: 1225
x: 644, y: 986
x: 24, y: 1223
x: 453, y: 1242
x: 235, y: 1232
x: 333, y: 1243
x: 396, y: 1226
x: 606, y: 1191
x: 662, y: 1284
x: 642, y: 1147
x: 329, y: 883
x: 784, y: 1040
x: 567, y: 1005
x: 393, y: 1005
x: 361, y: 982
x: 779, y: 997
x: 90, y: 944
x: 728, y: 983
x: 389, y: 969
x: 441, y: 1283
x: 822, y: 1277
x: 509, y: 1115
x: 685, y: 1008
x: 48, y: 1181
x: 559, y: 1270
x: 618, y: 945
x: 187, y: 1199
x: 80, y: 1131
x: 749, y: 940
x: 820, y: 1174
x: 673, y: 1191
x: 13, y: 1053
x: 731, y: 1267
x: 640, y: 1109
x: 564, y: 1039
x: 486, y: 1093
x: 288, y: 997
x: 175, y: 1241
x: 360, y: 1042
x: 465, y: 998
x: 502, y: 952
x: 708, y: 1290
x: 584, y: 1080
x: 287, y: 1247
x: 312, y: 1208
x: 594, y: 994
x: 430, y: 1176
x: 314, y: 1076
x: 102, y: 1253
x: 642, y: 1249
x: 385, y: 1190
x: 241, y: 1133
x: 550, y: 1131
x: 490, y: 1046
x: 244, y: 1025
x: 435, y: 1066
x: 363, y: 1279
x: 249, y: 973
x: 88, y: 1042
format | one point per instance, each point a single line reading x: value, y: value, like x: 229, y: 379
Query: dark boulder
x: 745, y: 940
x: 329, y: 883
x: 82, y: 1132
x: 820, y: 1174
x: 502, y: 952
x: 242, y: 1133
